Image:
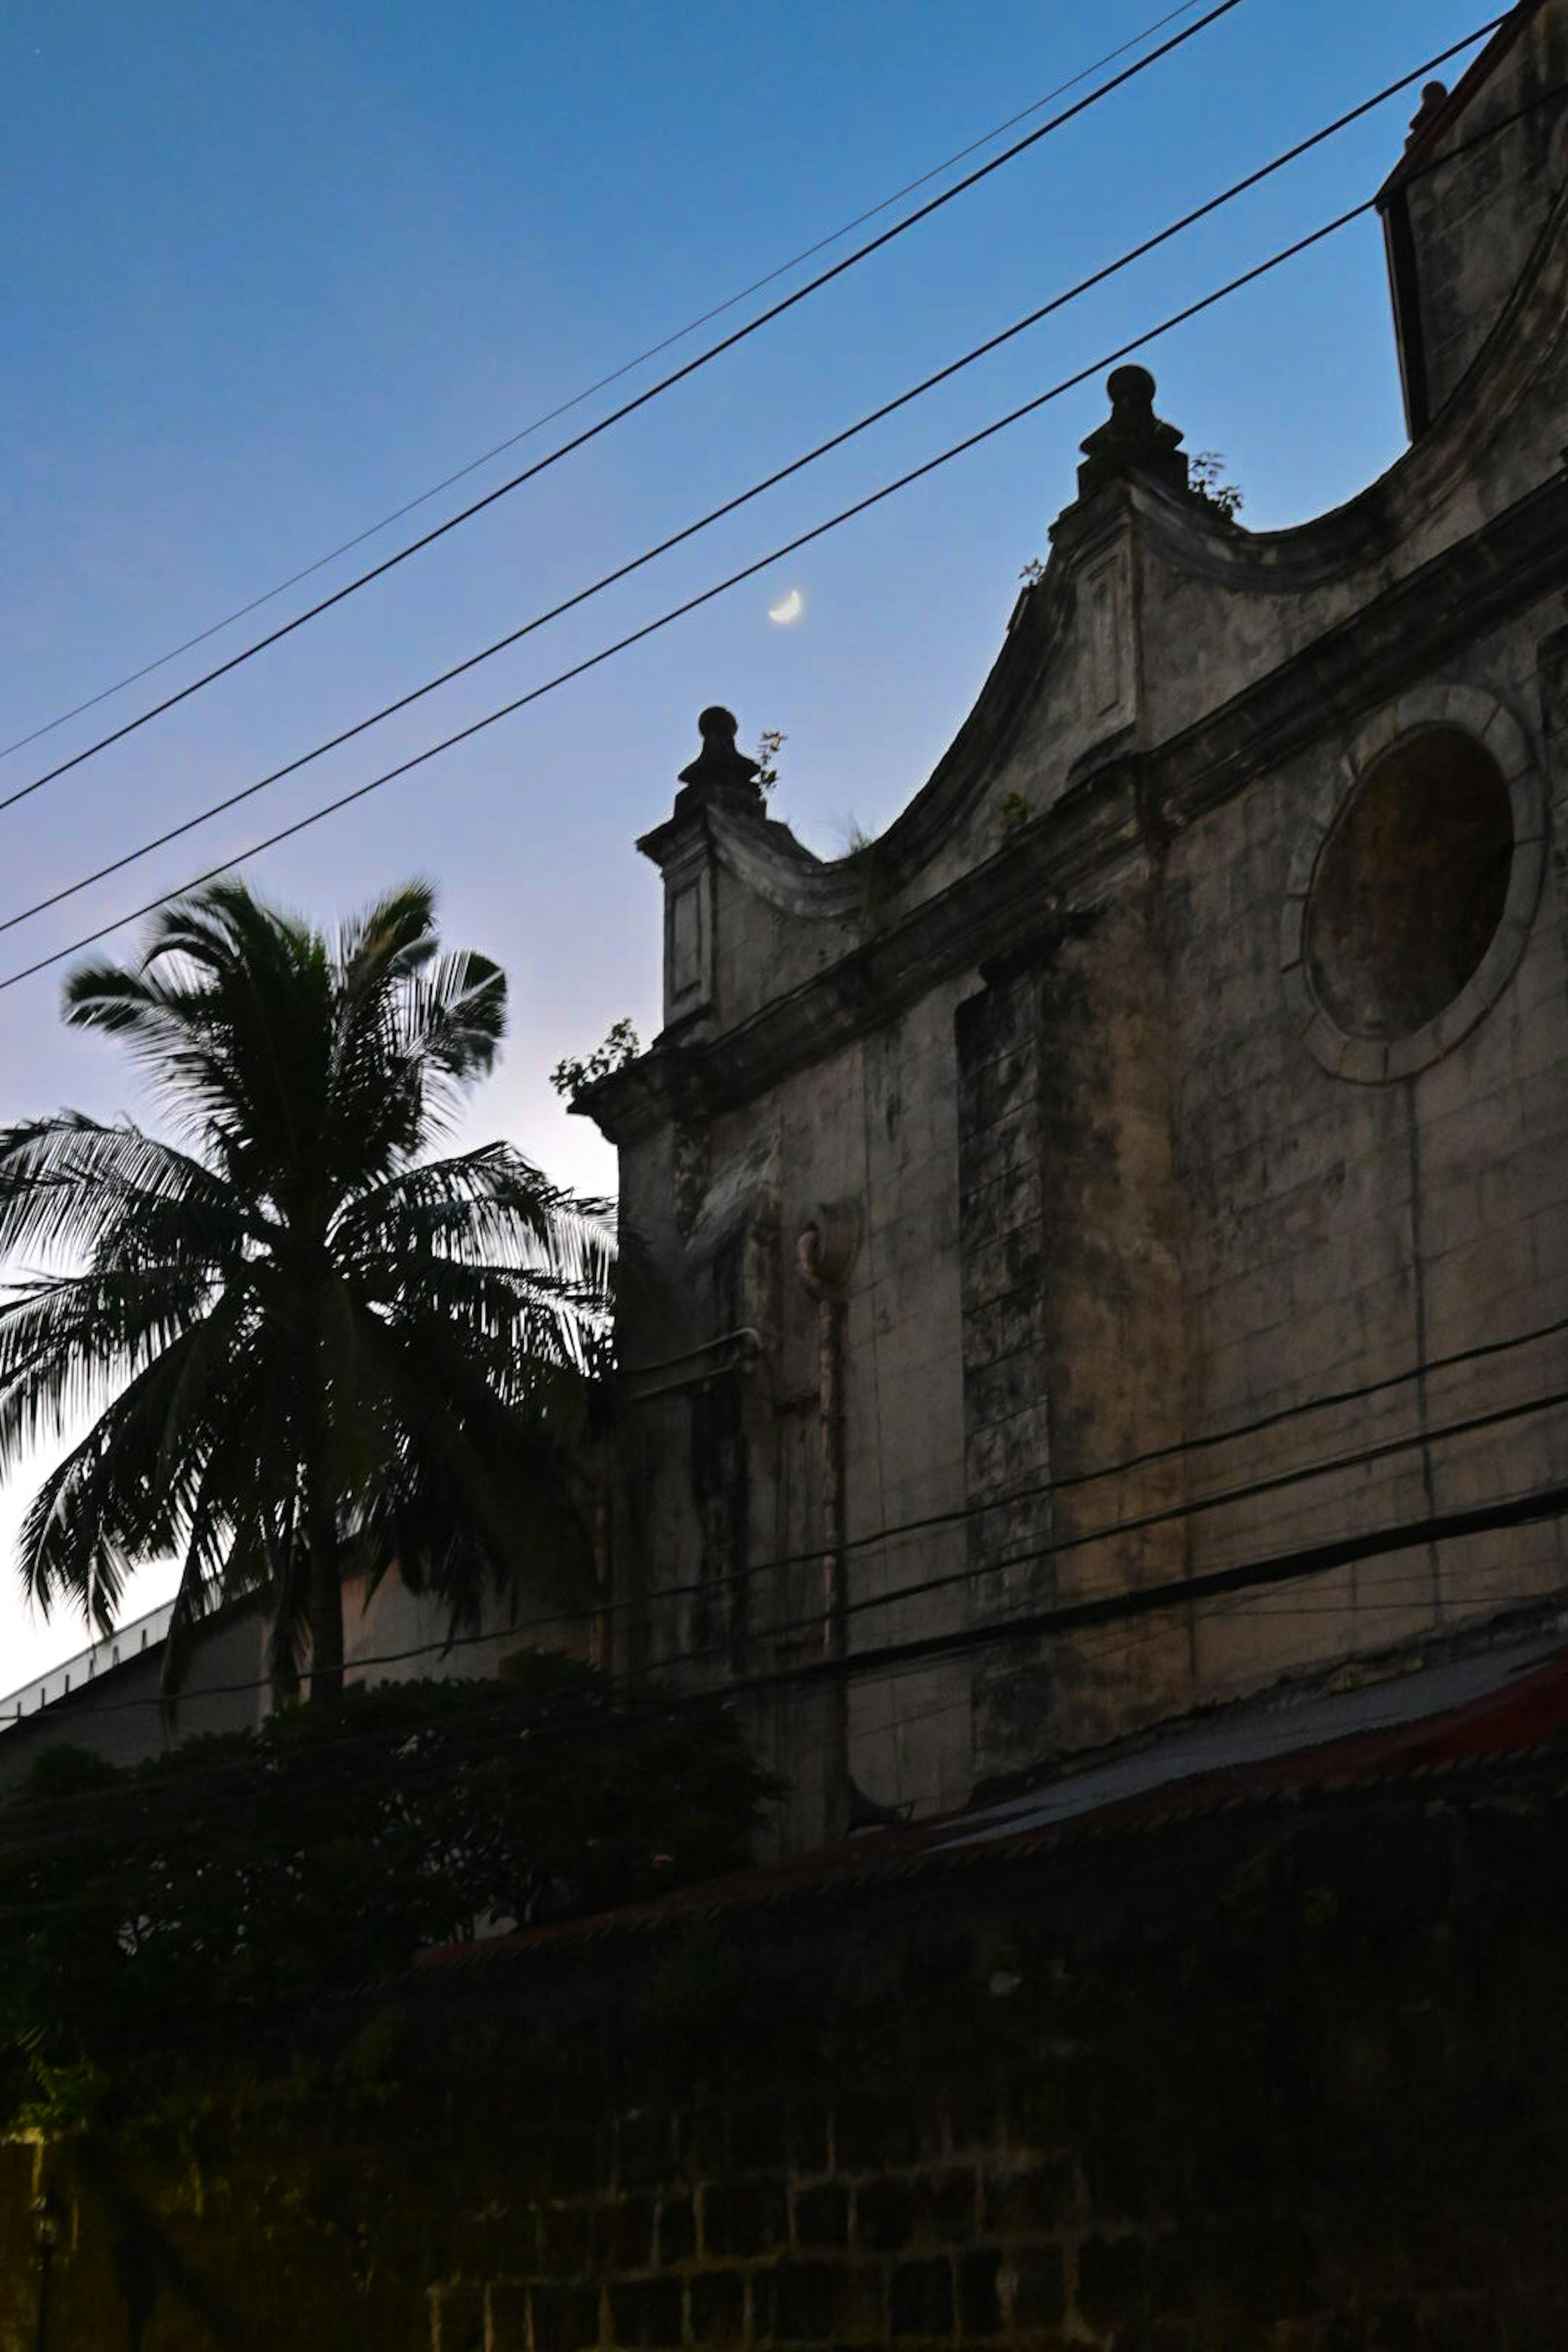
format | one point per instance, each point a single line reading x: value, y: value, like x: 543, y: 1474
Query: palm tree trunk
x: 326, y: 1595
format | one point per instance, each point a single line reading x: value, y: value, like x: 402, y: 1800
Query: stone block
x: 871, y: 2132
x: 920, y: 2300
x: 944, y: 2207
x: 676, y: 2234
x: 718, y: 2306
x: 576, y: 2156
x: 1112, y: 2280
x: 744, y: 2218
x: 999, y: 1268
x: 1002, y: 1325
x: 564, y: 2236
x: 623, y: 2234
x: 979, y: 2300
x: 996, y: 1392
x: 645, y: 2149
x: 1003, y: 1203
x: 883, y: 2216
x: 1031, y: 2203
x: 508, y: 2318
x: 819, y: 2303
x: 460, y: 2319
x: 564, y: 2318
x: 647, y: 2311
x: 822, y: 2215
x: 704, y: 2141
x: 1033, y: 2282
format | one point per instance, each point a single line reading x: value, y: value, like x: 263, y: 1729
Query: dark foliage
x: 242, y: 1875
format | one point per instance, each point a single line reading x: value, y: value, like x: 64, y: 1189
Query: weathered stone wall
x: 1476, y: 206
x: 1290, y: 2080
x: 1122, y: 1185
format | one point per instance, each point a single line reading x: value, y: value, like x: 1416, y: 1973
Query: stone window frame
x: 1371, y: 1061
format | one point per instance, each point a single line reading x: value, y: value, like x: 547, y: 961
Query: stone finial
x: 1433, y: 97
x: 718, y: 767
x: 1132, y: 440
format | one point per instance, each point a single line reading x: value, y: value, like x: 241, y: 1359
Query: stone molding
x: 1077, y: 854
x: 1369, y: 1061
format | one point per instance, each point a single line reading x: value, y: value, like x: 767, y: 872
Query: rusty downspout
x: 825, y: 1256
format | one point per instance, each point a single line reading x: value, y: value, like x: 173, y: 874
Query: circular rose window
x: 1412, y: 883
x: 1410, y: 886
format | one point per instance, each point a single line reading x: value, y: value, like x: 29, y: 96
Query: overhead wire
x: 1034, y: 1555
x: 1169, y: 1515
x: 378, y: 1746
x: 602, y: 383
x: 679, y: 611
x: 663, y: 547
x: 346, y: 800
x: 639, y: 400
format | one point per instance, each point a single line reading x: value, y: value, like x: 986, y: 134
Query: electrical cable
x: 408, y: 1776
x: 1520, y: 1510
x: 888, y: 489
x: 1057, y: 302
x: 679, y: 611
x: 564, y: 408
x: 1170, y: 1514
x: 641, y: 400
x: 962, y: 1514
x: 891, y: 1662
x: 1034, y: 1555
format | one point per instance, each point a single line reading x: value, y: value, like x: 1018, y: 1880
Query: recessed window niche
x: 1413, y: 885
x: 1410, y: 884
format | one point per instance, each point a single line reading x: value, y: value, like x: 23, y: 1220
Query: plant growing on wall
x: 1205, y: 481
x: 770, y: 742
x: 619, y: 1045
x: 309, y: 1344
x: 867, y: 863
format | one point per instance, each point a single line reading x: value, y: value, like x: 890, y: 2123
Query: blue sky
x: 269, y: 271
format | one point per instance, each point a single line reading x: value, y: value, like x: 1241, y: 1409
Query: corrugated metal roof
x: 1500, y: 1701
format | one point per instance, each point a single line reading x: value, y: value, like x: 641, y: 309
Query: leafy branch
x: 620, y: 1045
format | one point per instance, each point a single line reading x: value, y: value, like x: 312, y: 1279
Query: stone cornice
x: 1397, y: 638
x: 1080, y: 852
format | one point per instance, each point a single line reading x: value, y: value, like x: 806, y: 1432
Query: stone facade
x: 1193, y: 1048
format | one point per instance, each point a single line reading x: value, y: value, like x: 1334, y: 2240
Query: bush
x: 237, y: 1874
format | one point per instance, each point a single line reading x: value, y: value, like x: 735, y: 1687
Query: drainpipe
x: 825, y: 1256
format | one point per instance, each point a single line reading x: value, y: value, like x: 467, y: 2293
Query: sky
x: 271, y: 270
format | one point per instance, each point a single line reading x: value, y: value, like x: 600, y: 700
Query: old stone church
x: 1150, y: 1157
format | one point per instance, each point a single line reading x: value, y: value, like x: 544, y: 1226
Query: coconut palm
x: 309, y: 1344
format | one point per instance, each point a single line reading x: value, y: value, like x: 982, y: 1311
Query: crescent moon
x: 790, y: 609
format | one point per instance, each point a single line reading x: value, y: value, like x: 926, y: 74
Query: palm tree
x: 309, y: 1344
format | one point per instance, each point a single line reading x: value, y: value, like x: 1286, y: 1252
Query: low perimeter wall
x: 1292, y: 2078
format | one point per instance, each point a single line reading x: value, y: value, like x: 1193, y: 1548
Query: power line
x: 1169, y: 1515
x: 891, y: 1661
x: 564, y: 408
x: 640, y: 399
x: 735, y: 578
x: 1520, y: 1510
x: 729, y: 505
x: 966, y: 1514
x: 691, y: 604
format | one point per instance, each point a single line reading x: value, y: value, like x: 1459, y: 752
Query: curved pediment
x: 1474, y: 459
